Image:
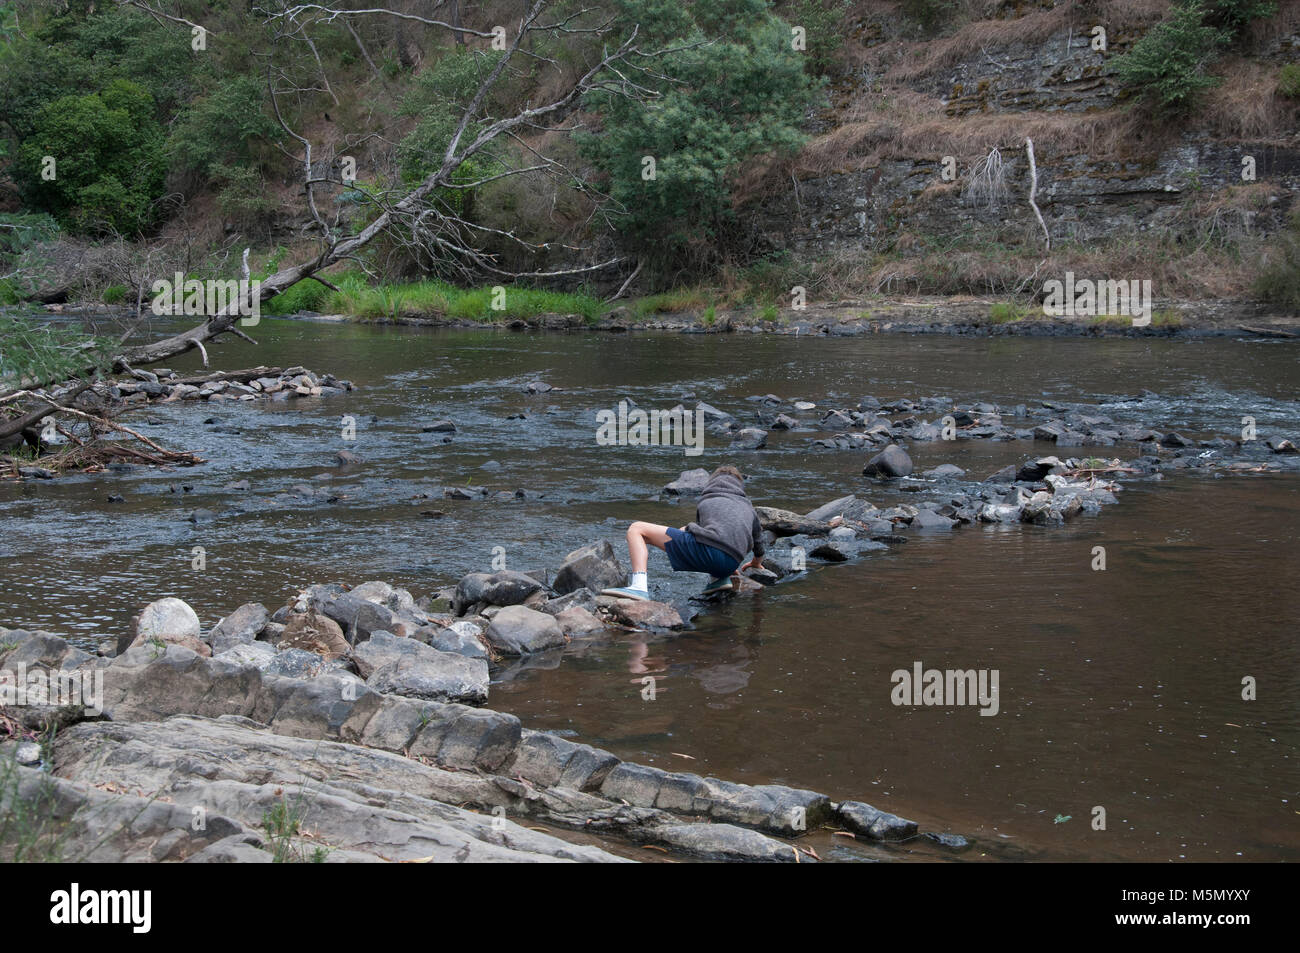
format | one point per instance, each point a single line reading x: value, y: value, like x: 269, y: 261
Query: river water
x: 1119, y: 689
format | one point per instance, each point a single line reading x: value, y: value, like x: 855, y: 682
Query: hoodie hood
x: 724, y: 484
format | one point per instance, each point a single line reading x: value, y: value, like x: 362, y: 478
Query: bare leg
x: 638, y: 535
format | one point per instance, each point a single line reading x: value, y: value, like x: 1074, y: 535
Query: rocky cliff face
x: 1102, y: 171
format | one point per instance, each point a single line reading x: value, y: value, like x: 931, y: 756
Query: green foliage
x: 429, y: 298
x: 1279, y: 278
x: 1236, y: 15
x: 824, y: 22
x: 727, y: 96
x: 227, y: 127
x: 1288, y: 81
x: 243, y: 198
x: 23, y: 261
x: 109, y: 165
x: 114, y: 294
x: 1167, y: 67
x: 34, y: 352
x: 1007, y: 312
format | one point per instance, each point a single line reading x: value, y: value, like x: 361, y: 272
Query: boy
x: 726, y: 528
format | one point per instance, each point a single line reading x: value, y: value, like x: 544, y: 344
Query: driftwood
x: 247, y: 374
x: 1268, y: 332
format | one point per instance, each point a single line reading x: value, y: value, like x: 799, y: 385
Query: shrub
x: 1167, y: 67
x: 1288, y: 81
x: 1279, y: 278
x: 108, y: 153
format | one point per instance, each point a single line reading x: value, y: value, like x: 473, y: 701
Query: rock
x: 750, y: 438
x: 504, y: 588
x: 828, y: 511
x: 930, y: 520
x: 890, y: 463
x: 953, y: 842
x: 1035, y: 470
x: 538, y: 387
x: 296, y: 663
x: 362, y: 803
x: 316, y: 632
x: 460, y: 637
x: 784, y: 422
x: 643, y: 614
x: 594, y: 567
x: 689, y: 483
x: 402, y: 666
x: 878, y: 825
x: 167, y: 617
x: 241, y: 626
x: 725, y: 842
x: 255, y: 654
x: 1280, y: 445
x: 786, y: 523
x: 440, y: 426
x: 346, y: 458
x: 582, y: 598
x: 945, y: 471
x: 578, y: 622
x: 518, y: 630
x: 1006, y: 475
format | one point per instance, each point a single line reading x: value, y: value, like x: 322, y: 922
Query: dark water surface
x: 1120, y: 689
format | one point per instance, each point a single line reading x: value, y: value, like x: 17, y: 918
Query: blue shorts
x: 688, y: 554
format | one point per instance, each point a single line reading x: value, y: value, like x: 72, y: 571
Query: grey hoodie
x: 725, y: 518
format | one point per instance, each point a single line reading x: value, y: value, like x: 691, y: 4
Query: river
x: 1119, y: 689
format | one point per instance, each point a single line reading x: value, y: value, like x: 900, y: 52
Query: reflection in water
x: 1119, y: 689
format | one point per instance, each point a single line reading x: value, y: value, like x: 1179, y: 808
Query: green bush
x: 1167, y: 67
x: 1288, y: 81
x: 737, y: 90
x: 114, y: 294
x: 1279, y: 278
x: 109, y: 166
x: 1235, y: 15
x: 228, y: 127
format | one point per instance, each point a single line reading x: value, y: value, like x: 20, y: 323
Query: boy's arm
x: 757, y: 532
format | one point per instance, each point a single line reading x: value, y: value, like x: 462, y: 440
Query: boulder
x: 689, y: 483
x: 832, y: 509
x: 890, y: 463
x: 643, y: 614
x: 786, y: 523
x: 750, y: 438
x: 402, y: 666
x: 518, y: 630
x: 314, y: 631
x: 240, y: 627
x: 504, y: 588
x: 594, y: 567
x: 166, y: 618
x: 578, y: 622
x: 876, y: 824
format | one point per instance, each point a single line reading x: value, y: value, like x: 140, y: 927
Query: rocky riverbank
x: 244, y: 744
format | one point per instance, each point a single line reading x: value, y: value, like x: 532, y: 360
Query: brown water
x: 1119, y: 688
